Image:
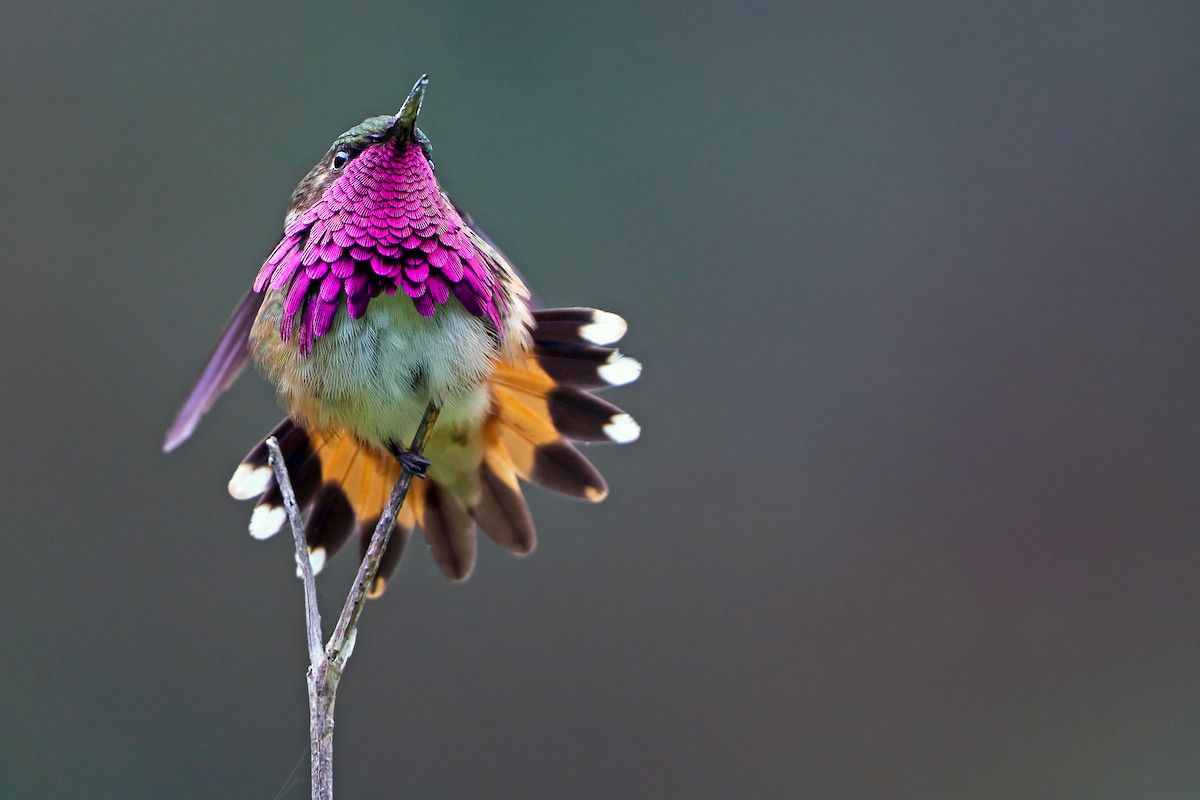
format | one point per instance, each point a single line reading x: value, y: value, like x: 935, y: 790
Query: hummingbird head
x: 399, y: 129
x: 371, y: 218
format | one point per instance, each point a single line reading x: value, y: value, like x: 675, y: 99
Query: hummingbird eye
x: 340, y: 158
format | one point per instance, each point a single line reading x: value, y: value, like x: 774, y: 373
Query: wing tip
x: 177, y: 434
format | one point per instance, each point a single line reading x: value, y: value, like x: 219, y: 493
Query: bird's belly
x: 374, y: 376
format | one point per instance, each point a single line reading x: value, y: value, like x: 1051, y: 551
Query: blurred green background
x: 914, y: 514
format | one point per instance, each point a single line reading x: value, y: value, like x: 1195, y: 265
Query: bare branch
x: 312, y: 613
x: 326, y: 663
x: 342, y: 640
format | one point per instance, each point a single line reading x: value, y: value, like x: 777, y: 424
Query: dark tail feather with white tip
x: 540, y: 407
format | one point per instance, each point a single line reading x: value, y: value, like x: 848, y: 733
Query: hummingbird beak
x: 405, y: 121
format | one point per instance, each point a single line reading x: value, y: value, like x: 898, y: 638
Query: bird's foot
x: 411, y: 462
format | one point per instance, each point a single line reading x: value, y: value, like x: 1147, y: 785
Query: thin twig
x: 312, y: 612
x: 342, y: 640
x: 326, y: 664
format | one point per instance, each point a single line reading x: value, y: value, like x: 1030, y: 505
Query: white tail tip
x: 622, y: 429
x: 266, y: 521
x: 605, y: 328
x: 620, y: 370
x: 316, y: 557
x: 249, y: 481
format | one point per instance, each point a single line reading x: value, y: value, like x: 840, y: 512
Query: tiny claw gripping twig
x: 327, y: 663
x: 410, y: 460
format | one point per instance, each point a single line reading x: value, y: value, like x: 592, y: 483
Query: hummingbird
x: 382, y: 297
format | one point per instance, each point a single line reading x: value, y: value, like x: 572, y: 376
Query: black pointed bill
x: 405, y: 121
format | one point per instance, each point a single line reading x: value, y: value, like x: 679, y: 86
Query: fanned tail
x: 538, y: 409
x: 341, y: 487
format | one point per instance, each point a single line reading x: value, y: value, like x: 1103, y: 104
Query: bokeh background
x: 915, y: 510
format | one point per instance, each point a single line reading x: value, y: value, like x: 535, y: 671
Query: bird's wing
x: 226, y: 362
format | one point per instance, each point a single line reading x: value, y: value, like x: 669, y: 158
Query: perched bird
x: 380, y: 298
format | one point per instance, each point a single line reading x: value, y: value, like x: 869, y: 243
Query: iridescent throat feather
x: 383, y: 225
